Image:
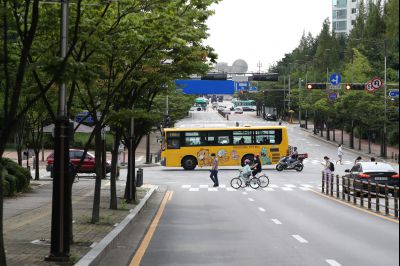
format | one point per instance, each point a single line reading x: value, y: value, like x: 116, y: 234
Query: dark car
x: 88, y: 165
x: 376, y: 173
x: 270, y: 117
x: 248, y: 109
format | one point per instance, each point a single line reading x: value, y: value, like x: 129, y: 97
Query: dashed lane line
x: 251, y: 199
x: 333, y: 262
x: 261, y: 209
x: 300, y: 239
x: 276, y: 221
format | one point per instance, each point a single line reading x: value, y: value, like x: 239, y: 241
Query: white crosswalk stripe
x: 270, y: 188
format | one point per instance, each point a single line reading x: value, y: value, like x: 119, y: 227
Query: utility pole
x: 61, y: 200
x: 384, y: 151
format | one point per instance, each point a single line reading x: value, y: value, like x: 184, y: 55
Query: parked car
x: 221, y: 108
x: 88, y: 164
x: 249, y: 109
x: 375, y: 172
x: 270, y: 117
x: 238, y: 110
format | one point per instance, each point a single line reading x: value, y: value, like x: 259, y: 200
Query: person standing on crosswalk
x: 214, y: 170
x: 340, y: 154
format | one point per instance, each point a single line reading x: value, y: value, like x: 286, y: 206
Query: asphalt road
x: 289, y: 223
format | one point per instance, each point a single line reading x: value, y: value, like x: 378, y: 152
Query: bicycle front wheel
x: 236, y: 183
x: 254, y: 183
x: 264, y: 181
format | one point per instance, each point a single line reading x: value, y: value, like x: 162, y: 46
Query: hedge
x: 15, y: 178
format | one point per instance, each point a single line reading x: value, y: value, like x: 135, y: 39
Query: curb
x: 94, y: 256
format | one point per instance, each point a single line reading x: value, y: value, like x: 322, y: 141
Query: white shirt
x: 340, y: 151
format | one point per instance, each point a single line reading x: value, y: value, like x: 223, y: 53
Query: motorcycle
x: 297, y: 165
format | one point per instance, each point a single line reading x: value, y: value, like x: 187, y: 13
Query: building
x: 344, y: 13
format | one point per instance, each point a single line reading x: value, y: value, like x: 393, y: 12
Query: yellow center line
x: 356, y: 207
x: 149, y: 235
x: 170, y: 196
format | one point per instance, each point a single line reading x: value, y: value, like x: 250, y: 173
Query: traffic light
x: 167, y: 121
x: 264, y: 77
x: 316, y: 86
x: 215, y: 76
x: 355, y: 86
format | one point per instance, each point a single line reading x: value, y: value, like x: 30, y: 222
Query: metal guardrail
x: 343, y: 188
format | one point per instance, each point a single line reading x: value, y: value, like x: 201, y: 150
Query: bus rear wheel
x: 189, y: 163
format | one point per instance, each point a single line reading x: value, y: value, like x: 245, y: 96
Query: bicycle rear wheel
x: 254, y: 183
x: 236, y: 183
x: 264, y: 181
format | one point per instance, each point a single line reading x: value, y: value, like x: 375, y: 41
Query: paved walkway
x: 27, y: 221
x: 363, y: 149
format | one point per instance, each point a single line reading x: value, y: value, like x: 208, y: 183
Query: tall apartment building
x: 344, y: 14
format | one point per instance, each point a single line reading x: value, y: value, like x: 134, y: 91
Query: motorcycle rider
x: 293, y: 156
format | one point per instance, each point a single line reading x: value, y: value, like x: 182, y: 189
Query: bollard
x: 227, y: 117
x: 337, y: 186
x: 327, y: 184
x: 331, y: 181
x: 396, y: 202
x: 354, y: 192
x: 343, y: 188
x: 139, y: 177
x: 377, y: 207
x: 323, y: 183
x: 369, y: 195
x: 362, y: 195
x: 348, y: 189
x: 386, y: 200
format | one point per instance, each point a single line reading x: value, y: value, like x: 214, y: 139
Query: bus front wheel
x: 189, y: 163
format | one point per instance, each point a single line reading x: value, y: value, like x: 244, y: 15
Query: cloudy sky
x: 263, y: 30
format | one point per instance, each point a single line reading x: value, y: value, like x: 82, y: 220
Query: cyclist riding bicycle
x: 257, y: 168
x: 246, y: 171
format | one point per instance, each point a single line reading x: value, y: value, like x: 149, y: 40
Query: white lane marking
x: 305, y: 188
x: 186, y: 186
x: 244, y: 193
x: 139, y: 159
x: 333, y: 262
x: 269, y: 189
x: 273, y: 186
x: 286, y: 189
x: 203, y: 186
x: 230, y: 189
x: 290, y: 185
x: 250, y: 199
x: 194, y: 189
x: 248, y: 189
x: 300, y: 239
x: 222, y: 186
x: 212, y: 189
x: 306, y: 185
x: 276, y: 221
x: 261, y: 209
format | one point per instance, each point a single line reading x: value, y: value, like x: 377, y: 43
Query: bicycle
x: 242, y: 182
x: 263, y: 180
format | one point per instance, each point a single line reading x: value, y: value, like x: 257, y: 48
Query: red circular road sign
x: 376, y: 83
x: 368, y: 87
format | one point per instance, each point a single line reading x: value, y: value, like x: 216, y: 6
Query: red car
x: 88, y: 164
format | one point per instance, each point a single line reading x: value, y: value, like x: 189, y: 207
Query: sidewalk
x: 27, y: 221
x: 364, y: 152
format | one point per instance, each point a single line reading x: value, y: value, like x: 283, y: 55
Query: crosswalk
x: 270, y: 188
x: 316, y: 161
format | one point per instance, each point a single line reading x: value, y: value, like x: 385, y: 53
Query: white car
x: 238, y: 110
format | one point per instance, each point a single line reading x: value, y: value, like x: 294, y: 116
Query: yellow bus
x: 191, y: 147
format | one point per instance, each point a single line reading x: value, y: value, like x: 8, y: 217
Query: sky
x: 263, y: 30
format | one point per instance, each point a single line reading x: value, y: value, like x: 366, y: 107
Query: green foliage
x: 17, y: 178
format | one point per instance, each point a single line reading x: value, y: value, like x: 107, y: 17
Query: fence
x: 363, y: 193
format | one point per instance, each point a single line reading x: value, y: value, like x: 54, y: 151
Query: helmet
x: 256, y: 156
x: 247, y: 161
x: 295, y: 148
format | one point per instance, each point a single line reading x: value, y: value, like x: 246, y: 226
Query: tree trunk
x: 37, y: 151
x: 99, y: 173
x: 322, y: 129
x: 342, y: 136
x: 352, y: 135
x: 328, y: 133
x: 113, y: 177
x: 334, y: 133
x: 2, y: 251
x: 369, y: 142
x: 359, y: 139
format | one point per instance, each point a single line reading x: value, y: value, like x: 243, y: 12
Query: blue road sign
x: 335, y: 79
x: 205, y: 86
x: 242, y: 86
x: 332, y: 96
x: 394, y: 93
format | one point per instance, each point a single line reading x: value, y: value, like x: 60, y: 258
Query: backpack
x: 331, y: 166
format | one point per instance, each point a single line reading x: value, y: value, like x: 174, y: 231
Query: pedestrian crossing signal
x: 316, y: 86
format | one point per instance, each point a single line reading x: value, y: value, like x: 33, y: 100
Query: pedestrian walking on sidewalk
x: 214, y: 170
x: 340, y: 154
x: 328, y: 169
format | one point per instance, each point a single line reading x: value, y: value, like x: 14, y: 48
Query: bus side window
x: 173, y: 143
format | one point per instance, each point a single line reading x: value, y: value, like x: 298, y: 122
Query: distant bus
x: 248, y: 103
x: 191, y: 147
x: 200, y: 104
